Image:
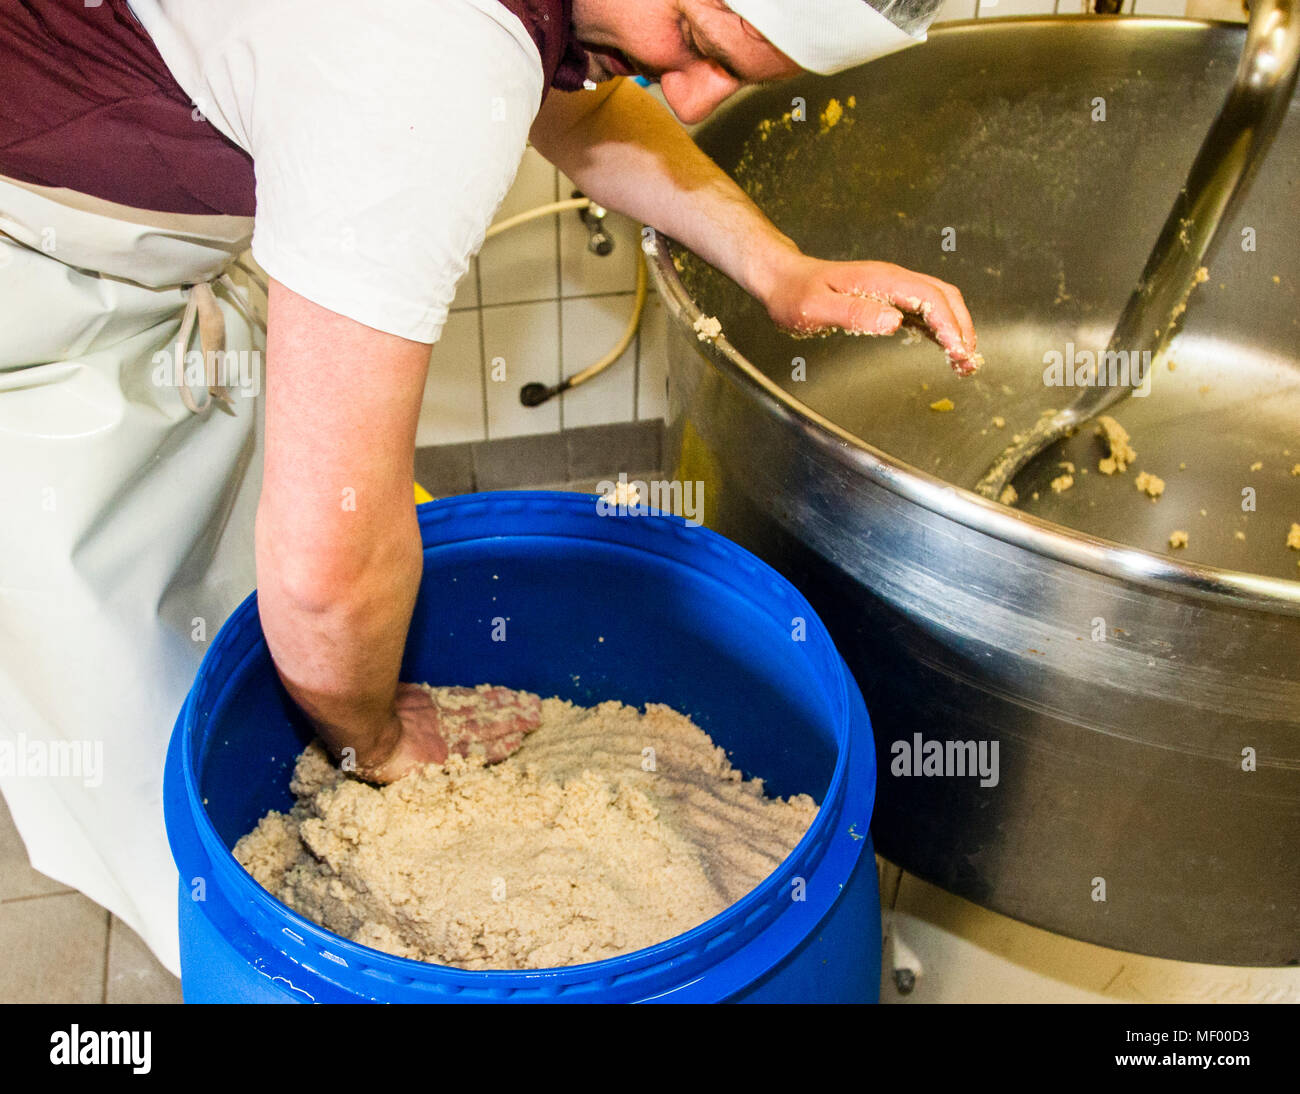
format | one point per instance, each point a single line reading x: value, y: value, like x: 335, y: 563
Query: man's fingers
x: 855, y: 313
x: 959, y: 309
x: 496, y: 713
x: 939, y: 304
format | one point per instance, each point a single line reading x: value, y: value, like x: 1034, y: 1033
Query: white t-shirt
x: 384, y: 136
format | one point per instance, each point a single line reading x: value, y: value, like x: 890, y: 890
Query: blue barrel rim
x: 713, y: 939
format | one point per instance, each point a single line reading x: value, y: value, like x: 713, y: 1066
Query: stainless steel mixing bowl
x: 1145, y: 702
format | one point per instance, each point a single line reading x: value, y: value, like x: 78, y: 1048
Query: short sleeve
x: 383, y: 147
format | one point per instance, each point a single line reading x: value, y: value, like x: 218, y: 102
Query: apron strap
x: 202, y: 308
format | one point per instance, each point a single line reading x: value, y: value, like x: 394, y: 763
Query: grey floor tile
x: 588, y: 486
x: 520, y: 461
x: 134, y: 974
x: 17, y: 878
x: 54, y: 950
x: 445, y: 469
x: 622, y: 446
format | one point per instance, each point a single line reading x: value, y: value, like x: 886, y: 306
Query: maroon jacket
x: 87, y: 103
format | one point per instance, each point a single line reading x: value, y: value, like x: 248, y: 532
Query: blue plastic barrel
x: 636, y: 608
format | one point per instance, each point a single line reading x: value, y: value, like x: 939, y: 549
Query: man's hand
x: 808, y: 295
x: 433, y: 725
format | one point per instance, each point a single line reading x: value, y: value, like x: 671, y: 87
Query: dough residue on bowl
x: 1117, y: 441
x: 707, y: 328
x: 608, y: 831
x: 1151, y: 485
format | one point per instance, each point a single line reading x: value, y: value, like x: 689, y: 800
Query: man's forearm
x: 628, y: 153
x: 338, y: 546
x: 335, y: 618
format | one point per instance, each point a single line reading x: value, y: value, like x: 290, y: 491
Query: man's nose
x: 696, y: 91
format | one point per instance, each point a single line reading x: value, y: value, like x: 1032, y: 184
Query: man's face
x: 699, y: 51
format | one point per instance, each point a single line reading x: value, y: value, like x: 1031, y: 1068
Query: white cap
x: 827, y: 36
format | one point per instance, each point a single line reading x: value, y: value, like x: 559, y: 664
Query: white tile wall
x: 1160, y: 7
x: 1230, y: 10
x: 453, y: 393
x: 526, y: 339
x: 535, y: 293
x: 1002, y: 9
x: 591, y: 326
x: 956, y: 9
x: 521, y: 264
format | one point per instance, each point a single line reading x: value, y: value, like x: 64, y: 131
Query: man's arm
x: 339, y: 559
x: 338, y: 547
x: 624, y: 150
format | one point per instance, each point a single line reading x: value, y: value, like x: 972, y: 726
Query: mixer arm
x: 1229, y: 156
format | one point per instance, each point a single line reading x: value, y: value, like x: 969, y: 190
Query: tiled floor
x: 60, y: 947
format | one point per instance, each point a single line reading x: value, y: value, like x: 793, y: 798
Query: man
x: 365, y: 149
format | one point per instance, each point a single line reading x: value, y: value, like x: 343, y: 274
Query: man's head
x: 699, y: 51
x: 702, y: 51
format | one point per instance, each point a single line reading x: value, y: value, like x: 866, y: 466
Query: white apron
x: 126, y: 523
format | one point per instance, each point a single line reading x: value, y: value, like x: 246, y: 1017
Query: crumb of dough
x: 1182, y: 467
x: 1033, y: 496
x: 1205, y: 513
x: 624, y: 493
x: 830, y: 117
x: 1117, y: 438
x: 1201, y: 276
x: 569, y: 851
x: 1204, y: 389
x: 1067, y: 465
x: 1257, y: 466
x: 1151, y: 485
x: 1296, y: 469
x: 1001, y: 423
x: 1171, y: 364
x: 1062, y: 483
x: 1293, y: 537
x: 942, y: 405
x: 1177, y: 539
x: 1009, y: 495
x: 1276, y: 280
x: 1239, y: 535
x: 707, y: 328
x: 925, y: 386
